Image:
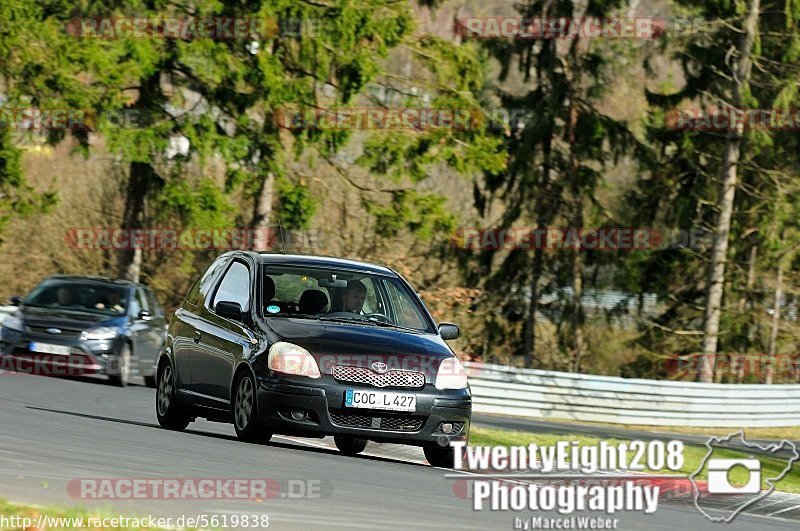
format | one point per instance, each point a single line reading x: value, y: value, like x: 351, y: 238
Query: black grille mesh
x: 65, y: 334
x: 377, y: 422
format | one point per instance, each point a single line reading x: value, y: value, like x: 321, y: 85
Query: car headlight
x: 451, y: 375
x: 101, y: 332
x: 289, y: 358
x: 13, y: 322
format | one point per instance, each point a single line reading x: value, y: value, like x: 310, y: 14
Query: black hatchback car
x: 312, y: 346
x: 76, y: 325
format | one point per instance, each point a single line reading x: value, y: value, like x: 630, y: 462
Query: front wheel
x: 124, y: 367
x: 443, y: 457
x: 245, y: 411
x: 168, y: 410
x: 349, y: 445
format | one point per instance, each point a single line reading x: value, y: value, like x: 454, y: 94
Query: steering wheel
x: 379, y: 316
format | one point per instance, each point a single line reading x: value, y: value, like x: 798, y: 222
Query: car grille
x: 65, y: 334
x: 377, y: 422
x: 392, y: 378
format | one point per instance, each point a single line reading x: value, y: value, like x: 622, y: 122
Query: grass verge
x: 787, y: 432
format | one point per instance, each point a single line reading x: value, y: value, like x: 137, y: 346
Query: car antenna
x: 283, y: 241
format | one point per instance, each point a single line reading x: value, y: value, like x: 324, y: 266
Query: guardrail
x: 561, y: 395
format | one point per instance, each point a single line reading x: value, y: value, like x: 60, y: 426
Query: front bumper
x: 322, y: 401
x: 84, y: 358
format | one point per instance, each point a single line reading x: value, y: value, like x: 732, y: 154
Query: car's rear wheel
x: 245, y: 410
x: 120, y: 379
x: 349, y: 445
x: 168, y: 411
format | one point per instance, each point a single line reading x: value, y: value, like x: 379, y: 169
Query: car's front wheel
x: 441, y: 456
x: 123, y: 372
x: 349, y: 445
x: 168, y: 410
x: 245, y: 410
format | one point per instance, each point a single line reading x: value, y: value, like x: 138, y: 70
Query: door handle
x: 196, y: 336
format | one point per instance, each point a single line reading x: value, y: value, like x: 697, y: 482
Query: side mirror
x: 229, y: 310
x: 144, y: 315
x: 449, y: 331
x: 15, y: 300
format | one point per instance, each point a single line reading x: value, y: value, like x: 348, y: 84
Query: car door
x: 140, y: 328
x: 222, y: 341
x: 183, y: 327
x: 156, y: 324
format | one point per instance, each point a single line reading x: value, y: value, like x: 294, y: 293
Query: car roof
x: 323, y: 261
x: 95, y: 280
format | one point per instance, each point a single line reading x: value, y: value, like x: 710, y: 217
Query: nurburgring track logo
x: 718, y: 481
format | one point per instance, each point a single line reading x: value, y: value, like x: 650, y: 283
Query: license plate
x: 44, y: 348
x: 380, y: 400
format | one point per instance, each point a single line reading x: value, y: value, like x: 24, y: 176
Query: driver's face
x: 354, y: 300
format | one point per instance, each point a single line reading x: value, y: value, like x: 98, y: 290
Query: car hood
x: 66, y: 319
x: 362, y: 346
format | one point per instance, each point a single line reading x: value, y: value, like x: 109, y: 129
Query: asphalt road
x: 57, y: 430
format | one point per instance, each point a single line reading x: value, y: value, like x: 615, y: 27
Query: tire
x: 169, y: 413
x: 124, y: 360
x: 349, y: 445
x: 443, y: 457
x: 245, y: 410
x: 150, y: 381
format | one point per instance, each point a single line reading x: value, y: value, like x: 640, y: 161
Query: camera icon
x: 719, y: 482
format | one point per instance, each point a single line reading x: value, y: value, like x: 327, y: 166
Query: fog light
x: 447, y: 427
x: 298, y: 414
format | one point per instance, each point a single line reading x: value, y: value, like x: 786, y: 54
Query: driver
x: 113, y: 301
x: 354, y: 296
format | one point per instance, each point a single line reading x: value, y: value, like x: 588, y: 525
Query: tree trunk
x: 139, y: 183
x: 577, y: 257
x: 776, y: 319
x: 543, y: 216
x: 746, y: 305
x: 729, y: 177
x: 529, y: 337
x: 262, y: 212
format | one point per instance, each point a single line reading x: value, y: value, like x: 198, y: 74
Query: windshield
x: 88, y: 297
x: 341, y: 296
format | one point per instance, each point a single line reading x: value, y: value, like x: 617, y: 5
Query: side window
x: 289, y: 288
x: 235, y: 286
x: 405, y: 310
x: 201, y: 288
x: 136, y: 305
x: 371, y: 301
x: 152, y: 302
x: 140, y: 302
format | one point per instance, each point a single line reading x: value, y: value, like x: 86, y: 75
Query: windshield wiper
x: 392, y: 325
x: 349, y: 320
x: 290, y: 314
